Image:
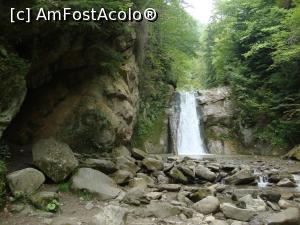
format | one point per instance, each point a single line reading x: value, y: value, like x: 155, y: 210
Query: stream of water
x: 190, y: 140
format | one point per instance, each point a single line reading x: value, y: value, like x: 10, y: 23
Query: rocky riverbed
x: 133, y: 188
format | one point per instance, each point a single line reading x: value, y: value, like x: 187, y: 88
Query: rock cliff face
x: 217, y: 115
x: 71, y: 98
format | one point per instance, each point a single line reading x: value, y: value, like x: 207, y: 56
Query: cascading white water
x: 190, y: 141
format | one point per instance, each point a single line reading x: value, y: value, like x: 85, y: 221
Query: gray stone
x: 103, y: 165
x: 138, y: 183
x: 207, y: 205
x: 200, y: 194
x: 110, y: 215
x: 148, y: 179
x: 138, y: 154
x: 169, y: 187
x: 178, y: 176
x: 161, y: 209
x: 257, y: 205
x: 205, y: 173
x: 122, y: 176
x: 153, y: 164
x: 120, y: 151
x: 25, y: 181
x: 290, y: 216
x: 233, y: 212
x: 127, y: 163
x: 242, y: 177
x: 286, y: 183
x: 218, y: 222
x: 54, y: 158
x: 96, y: 183
x: 62, y: 220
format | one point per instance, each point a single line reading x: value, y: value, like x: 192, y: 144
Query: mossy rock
x: 294, y: 153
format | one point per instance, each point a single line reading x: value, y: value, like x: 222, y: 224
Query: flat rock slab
x: 96, y: 183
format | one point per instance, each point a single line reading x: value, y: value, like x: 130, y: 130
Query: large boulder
x: 290, y: 216
x: 54, y: 158
x: 207, y: 205
x: 244, y: 176
x: 233, y: 212
x: 25, y: 181
x: 95, y: 182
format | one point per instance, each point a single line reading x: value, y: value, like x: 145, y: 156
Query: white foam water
x: 190, y: 140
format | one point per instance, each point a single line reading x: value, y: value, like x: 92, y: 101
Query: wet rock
x: 207, y: 205
x: 96, y: 183
x: 204, y: 173
x: 257, y: 205
x: 25, y: 181
x: 122, y: 176
x: 200, y: 194
x: 103, y: 165
x: 178, y: 176
x: 153, y: 164
x: 120, y: 151
x: 286, y: 183
x: 138, y: 154
x: 289, y: 216
x: 41, y: 199
x: 110, y: 215
x: 54, y: 158
x: 242, y: 177
x: 233, y: 212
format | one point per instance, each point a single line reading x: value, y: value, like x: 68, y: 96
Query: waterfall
x: 190, y: 140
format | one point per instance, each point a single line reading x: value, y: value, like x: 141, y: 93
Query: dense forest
x: 254, y: 47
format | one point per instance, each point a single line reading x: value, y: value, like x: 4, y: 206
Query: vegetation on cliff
x: 254, y: 47
x: 170, y: 44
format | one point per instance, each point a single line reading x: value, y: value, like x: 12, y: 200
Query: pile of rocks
x: 143, y: 189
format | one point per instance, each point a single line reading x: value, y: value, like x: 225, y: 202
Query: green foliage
x: 171, y: 42
x: 64, y: 187
x: 254, y: 47
x: 52, y: 206
x: 2, y: 183
x: 84, y: 195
